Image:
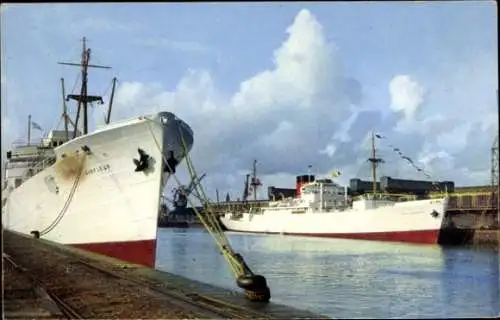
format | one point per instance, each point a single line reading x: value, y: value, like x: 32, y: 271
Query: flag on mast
x: 335, y: 173
x: 36, y: 126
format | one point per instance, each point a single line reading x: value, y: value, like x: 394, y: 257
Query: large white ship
x: 323, y: 208
x: 99, y: 190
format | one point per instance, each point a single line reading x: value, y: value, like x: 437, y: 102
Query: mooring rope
x: 255, y: 286
x: 208, y: 221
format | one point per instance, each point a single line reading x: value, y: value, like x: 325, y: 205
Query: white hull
x: 409, y: 221
x: 112, y: 203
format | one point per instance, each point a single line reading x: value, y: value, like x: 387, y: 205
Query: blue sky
x: 279, y: 96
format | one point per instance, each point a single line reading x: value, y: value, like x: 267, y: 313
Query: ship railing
x: 33, y: 156
x: 33, y: 167
x: 121, y: 122
x: 239, y: 206
x: 340, y: 205
x: 23, y: 143
x: 24, y: 162
x: 11, y: 176
x: 387, y: 197
x: 236, y: 215
x: 299, y: 210
x: 436, y: 195
x: 255, y: 210
x: 16, y: 165
x: 44, y: 163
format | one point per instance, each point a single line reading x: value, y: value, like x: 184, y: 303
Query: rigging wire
x: 406, y: 158
x: 77, y: 79
x: 436, y: 184
x: 107, y: 89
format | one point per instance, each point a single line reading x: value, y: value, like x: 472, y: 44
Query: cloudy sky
x: 290, y: 85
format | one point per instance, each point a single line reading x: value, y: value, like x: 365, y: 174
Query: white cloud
x: 282, y: 116
x: 454, y: 140
x: 329, y: 150
x: 407, y: 96
x: 301, y: 111
x: 305, y: 70
x: 436, y: 162
x: 341, y: 134
x: 453, y: 122
x: 305, y: 110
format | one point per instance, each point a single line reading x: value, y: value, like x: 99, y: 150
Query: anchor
x: 143, y: 162
x: 171, y: 163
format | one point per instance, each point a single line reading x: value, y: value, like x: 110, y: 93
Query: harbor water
x: 346, y: 278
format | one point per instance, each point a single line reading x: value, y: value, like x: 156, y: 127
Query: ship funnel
x: 301, y: 180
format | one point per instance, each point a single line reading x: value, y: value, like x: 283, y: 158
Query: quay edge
x: 37, y: 254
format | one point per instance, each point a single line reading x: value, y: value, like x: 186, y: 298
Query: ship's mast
x: 65, y: 110
x: 83, y: 98
x: 29, y: 129
x: 108, y: 117
x: 245, y: 190
x: 254, y: 179
x: 375, y: 161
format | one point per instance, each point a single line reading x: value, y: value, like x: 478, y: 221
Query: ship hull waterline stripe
x: 417, y: 236
x: 141, y: 252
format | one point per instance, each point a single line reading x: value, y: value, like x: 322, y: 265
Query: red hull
x: 138, y: 252
x: 420, y: 236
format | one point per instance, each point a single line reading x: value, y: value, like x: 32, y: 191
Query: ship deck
x: 43, y: 279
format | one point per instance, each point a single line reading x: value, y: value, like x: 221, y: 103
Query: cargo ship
x: 323, y: 208
x: 97, y: 190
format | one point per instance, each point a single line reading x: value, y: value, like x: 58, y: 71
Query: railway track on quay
x: 65, y: 285
x: 51, y: 306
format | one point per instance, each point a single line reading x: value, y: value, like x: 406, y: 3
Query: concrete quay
x: 43, y: 279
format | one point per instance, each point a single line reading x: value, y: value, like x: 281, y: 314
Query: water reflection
x: 346, y: 278
x: 192, y: 253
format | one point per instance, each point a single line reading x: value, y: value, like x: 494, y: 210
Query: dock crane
x: 182, y: 193
x: 179, y: 200
x: 251, y: 185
